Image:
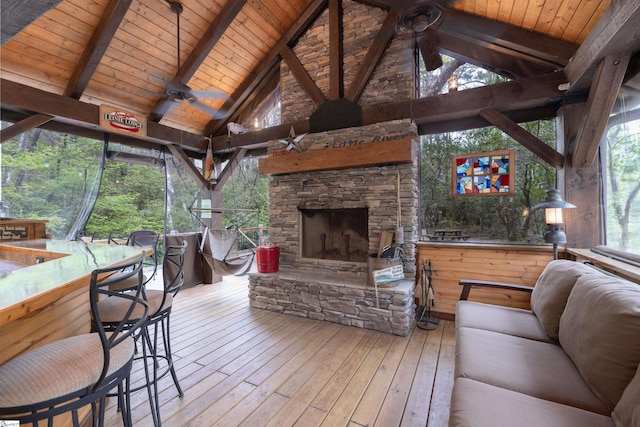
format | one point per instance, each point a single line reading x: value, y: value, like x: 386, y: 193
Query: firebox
x: 335, y: 234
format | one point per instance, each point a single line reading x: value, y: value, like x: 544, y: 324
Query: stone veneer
x: 330, y: 299
x: 338, y: 291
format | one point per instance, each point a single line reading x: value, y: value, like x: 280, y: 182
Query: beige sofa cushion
x: 551, y: 291
x: 538, y: 369
x: 497, y: 318
x: 600, y: 330
x: 627, y: 412
x: 476, y: 404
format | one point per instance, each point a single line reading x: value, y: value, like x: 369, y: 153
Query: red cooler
x: 268, y: 259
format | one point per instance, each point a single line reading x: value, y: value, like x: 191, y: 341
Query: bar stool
x: 160, y: 304
x: 146, y: 239
x: 74, y: 372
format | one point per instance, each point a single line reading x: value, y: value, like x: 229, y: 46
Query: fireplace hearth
x: 335, y: 234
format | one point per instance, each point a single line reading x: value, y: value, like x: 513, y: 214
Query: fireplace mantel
x: 354, y: 156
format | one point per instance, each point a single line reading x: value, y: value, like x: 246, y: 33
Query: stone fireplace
x: 328, y: 221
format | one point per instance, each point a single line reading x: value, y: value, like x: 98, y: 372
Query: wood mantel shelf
x: 362, y: 155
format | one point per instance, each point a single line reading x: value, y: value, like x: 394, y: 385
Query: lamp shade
x: 553, y: 200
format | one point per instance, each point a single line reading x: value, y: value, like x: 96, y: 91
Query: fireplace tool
x: 426, y: 320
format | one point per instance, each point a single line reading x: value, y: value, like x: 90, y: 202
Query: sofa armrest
x: 468, y: 284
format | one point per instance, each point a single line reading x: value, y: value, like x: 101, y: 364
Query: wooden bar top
x: 66, y: 268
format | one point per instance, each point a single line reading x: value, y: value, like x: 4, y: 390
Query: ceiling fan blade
x: 214, y: 113
x: 211, y: 94
x: 427, y: 45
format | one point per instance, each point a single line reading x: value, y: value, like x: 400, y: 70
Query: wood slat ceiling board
x: 141, y: 59
x: 568, y: 20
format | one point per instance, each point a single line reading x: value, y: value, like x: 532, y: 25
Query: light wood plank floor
x: 241, y: 366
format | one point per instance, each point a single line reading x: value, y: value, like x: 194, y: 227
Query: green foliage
x: 45, y: 175
x: 623, y: 183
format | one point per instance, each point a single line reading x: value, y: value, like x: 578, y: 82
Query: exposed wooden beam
x: 23, y: 126
x: 93, y: 52
x: 184, y: 160
x: 231, y: 165
x: 523, y: 94
x: 546, y: 112
x: 526, y: 139
x: 240, y: 95
x: 18, y: 14
x: 17, y: 97
x: 618, y: 31
x: 518, y: 43
x: 373, y: 56
x: 256, y: 102
x: 97, y: 46
x: 302, y: 76
x: 519, y: 94
x: 336, y: 48
x: 495, y: 59
x: 427, y: 45
x: 604, y: 91
x: 209, y: 39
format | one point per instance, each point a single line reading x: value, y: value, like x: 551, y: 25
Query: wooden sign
x: 14, y: 232
x: 114, y: 119
x: 355, y: 156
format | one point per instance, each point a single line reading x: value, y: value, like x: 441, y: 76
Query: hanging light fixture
x: 553, y: 205
x: 452, y: 83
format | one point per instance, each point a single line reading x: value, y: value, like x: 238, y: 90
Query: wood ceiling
x: 62, y: 61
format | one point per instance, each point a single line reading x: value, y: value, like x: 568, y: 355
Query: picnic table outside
x: 447, y: 234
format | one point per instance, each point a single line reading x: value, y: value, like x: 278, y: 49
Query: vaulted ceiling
x: 61, y: 59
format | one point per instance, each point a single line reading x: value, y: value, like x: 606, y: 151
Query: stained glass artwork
x: 478, y: 174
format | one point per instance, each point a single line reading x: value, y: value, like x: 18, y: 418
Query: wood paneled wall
x: 516, y: 264
x: 68, y: 316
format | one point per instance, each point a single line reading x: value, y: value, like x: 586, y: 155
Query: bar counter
x: 48, y: 298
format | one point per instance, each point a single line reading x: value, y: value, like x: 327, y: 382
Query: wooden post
x: 579, y: 185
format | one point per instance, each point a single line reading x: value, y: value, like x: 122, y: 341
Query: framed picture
x: 490, y: 173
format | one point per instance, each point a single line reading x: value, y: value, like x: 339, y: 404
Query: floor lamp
x: 553, y: 205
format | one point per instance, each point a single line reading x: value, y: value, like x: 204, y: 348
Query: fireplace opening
x: 335, y: 234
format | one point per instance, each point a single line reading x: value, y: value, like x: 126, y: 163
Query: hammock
x: 218, y: 247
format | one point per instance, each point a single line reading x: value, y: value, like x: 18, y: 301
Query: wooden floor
x: 241, y: 366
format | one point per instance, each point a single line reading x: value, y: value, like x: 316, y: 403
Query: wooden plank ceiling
x: 125, y: 53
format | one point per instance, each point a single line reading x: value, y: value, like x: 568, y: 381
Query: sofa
x: 572, y: 360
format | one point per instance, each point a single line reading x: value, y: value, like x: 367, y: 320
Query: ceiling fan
x: 179, y: 92
x: 417, y: 17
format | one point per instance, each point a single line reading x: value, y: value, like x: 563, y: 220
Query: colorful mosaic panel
x: 489, y: 173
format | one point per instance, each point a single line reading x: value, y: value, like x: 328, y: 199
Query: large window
x: 622, y: 176
x: 501, y: 218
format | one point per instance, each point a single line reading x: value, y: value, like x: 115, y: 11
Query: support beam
x: 94, y: 51
x: 240, y: 95
x: 618, y: 31
x: 523, y: 94
x: 209, y: 39
x: 602, y: 97
x: 23, y: 126
x: 373, y: 56
x: 185, y: 161
x: 302, y: 76
x: 86, y: 66
x: 17, y: 97
x: 336, y: 48
x: 231, y: 165
x: 530, y: 142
